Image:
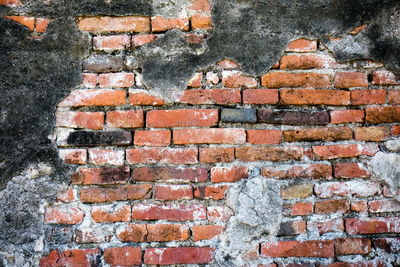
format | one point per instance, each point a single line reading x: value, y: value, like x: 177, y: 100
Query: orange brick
x: 206, y: 232
x: 63, y: 215
x: 268, y: 137
x: 94, y: 97
x: 344, y: 151
x: 114, y: 24
x: 167, y: 232
x: 367, y: 97
x: 142, y: 39
x: 29, y: 22
x: 111, y: 214
x: 235, y: 79
x: 200, y: 21
x: 125, y: 119
x: 217, y: 155
x: 112, y: 42
x: 144, y: 98
x: 383, y: 77
x: 106, y: 157
x: 162, y: 155
x: 314, y: 97
x: 308, y: 80
x: 394, y: 97
x: 371, y: 133
x: 302, y: 45
x: 211, y: 96
x: 41, y: 25
x: 383, y: 114
x: 228, y: 174
x: 73, y: 156
x: 304, y: 62
x: 351, y: 79
x: 182, y: 118
x: 13, y: 3
x: 161, y: 24
x: 210, y: 136
x: 173, y: 192
x: 87, y: 120
x: 395, y: 130
x: 260, y: 96
x: 347, y: 116
x: 332, y: 206
x: 152, y: 138
x: 318, y: 134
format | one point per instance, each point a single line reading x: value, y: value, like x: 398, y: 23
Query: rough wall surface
x: 224, y: 133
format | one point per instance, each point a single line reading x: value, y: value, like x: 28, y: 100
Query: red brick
x: 133, y: 233
x: 180, y: 255
x: 313, y: 248
x: 196, y: 80
x: 314, y: 97
x: 291, y: 228
x: 120, y: 193
x: 88, y: 120
x: 14, y: 3
x: 66, y: 196
x: 112, y: 42
x: 162, y: 155
x: 94, y: 97
x: 260, y: 96
x: 395, y: 130
x: 170, y: 212
x: 383, y: 114
x: 326, y: 226
x: 371, y: 133
x: 218, y: 213
x: 144, y: 98
x: 300, y: 208
x: 72, y: 257
x: 152, y: 138
x: 173, y: 192
x: 228, y: 174
x: 394, y: 97
x: 347, y: 116
x: 349, y: 246
x: 383, y: 77
x: 142, y: 39
x: 315, y: 171
x: 90, y: 176
x: 227, y: 64
x: 344, y: 151
x: 200, y: 6
x: 125, y: 119
x: 209, y: 136
x: 302, y: 45
x: 235, y: 79
x: 63, y: 215
x: 73, y: 156
x: 350, y: 170
x: 106, y: 157
x: 368, y: 97
x: 268, y: 153
x: 217, y: 154
x: 114, y: 24
x: 182, y: 118
x: 282, y: 79
x: 387, y: 205
x: 111, y: 214
x: 332, y: 206
x: 123, y: 256
x: 216, y: 192
x: 211, y: 96
x: 121, y: 79
x: 318, y: 134
x: 206, y: 232
x: 261, y: 137
x: 359, y: 206
x: 29, y: 22
x: 169, y: 174
x: 347, y: 189
x: 41, y: 25
x: 89, y: 80
x: 161, y: 24
x: 200, y: 21
x: 167, y: 232
x: 372, y: 225
x: 304, y: 62
x: 351, y: 79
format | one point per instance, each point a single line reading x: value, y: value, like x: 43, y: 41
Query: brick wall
x: 152, y: 175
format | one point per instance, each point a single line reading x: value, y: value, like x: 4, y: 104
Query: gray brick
x: 239, y: 115
x: 103, y: 63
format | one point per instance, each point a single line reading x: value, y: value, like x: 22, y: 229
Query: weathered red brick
x: 88, y: 120
x: 123, y: 256
x: 112, y: 42
x: 290, y: 228
x: 383, y: 77
x: 261, y: 137
x: 387, y: 205
x: 196, y: 80
x: 216, y: 192
x: 304, y: 62
x: 383, y: 114
x: 326, y: 226
x: 167, y: 232
x: 200, y: 6
x: 14, y: 3
x: 111, y: 214
x: 152, y: 138
x: 260, y: 96
x: 344, y: 151
x: 235, y: 79
x: 88, y: 235
x: 73, y: 156
x: 180, y: 255
x: 89, y: 176
x: 302, y: 45
x: 332, y: 206
x: 350, y: 170
x: 314, y: 97
x: 349, y: 246
x: 142, y: 39
x: 219, y: 213
x: 63, y: 215
x: 372, y: 225
x: 227, y: 64
x: 170, y: 212
x: 72, y: 257
x: 66, y: 196
x: 169, y: 174
x: 351, y: 79
x: 182, y: 118
x: 144, y: 98
x: 114, y: 24
x: 347, y: 116
x: 297, y: 191
x: 217, y: 154
x: 315, y: 171
x: 318, y: 134
x: 395, y: 130
x: 212, y: 78
x: 120, y: 193
x: 209, y: 136
x: 347, y: 189
x: 283, y: 79
x: 359, y: 206
x: 374, y: 133
x: 205, y: 232
x: 161, y: 24
x: 94, y: 97
x: 106, y: 157
x: 228, y: 174
x: 121, y: 79
x: 162, y: 155
x: 125, y: 119
x: 89, y: 80
x: 394, y: 97
x: 133, y: 233
x: 313, y: 248
x: 211, y: 96
x: 173, y: 192
x: 201, y: 21
x: 299, y: 208
x: 368, y: 97
x: 269, y: 153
